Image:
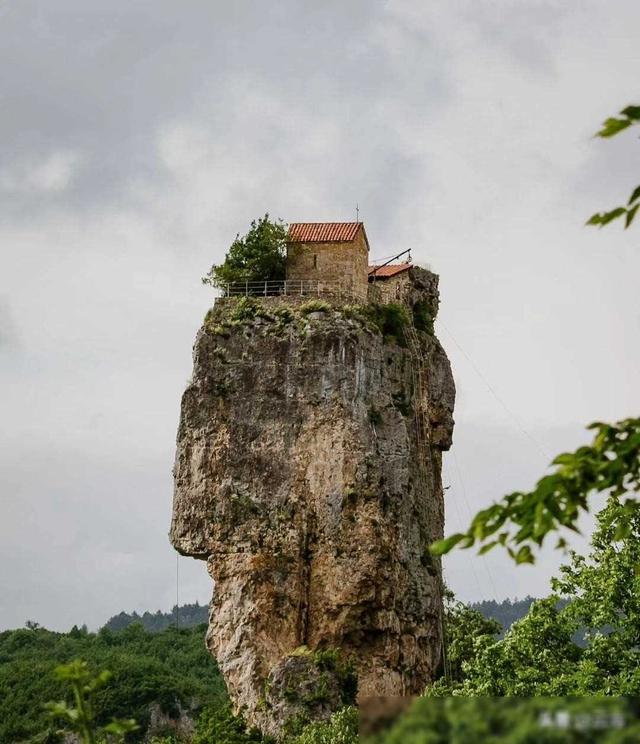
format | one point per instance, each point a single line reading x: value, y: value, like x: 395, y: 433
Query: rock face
x: 308, y: 475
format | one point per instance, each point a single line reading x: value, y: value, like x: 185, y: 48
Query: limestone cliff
x: 308, y: 475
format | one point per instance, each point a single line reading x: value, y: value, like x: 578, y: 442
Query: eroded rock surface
x: 308, y: 475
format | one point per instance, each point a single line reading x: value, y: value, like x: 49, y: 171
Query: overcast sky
x: 137, y: 138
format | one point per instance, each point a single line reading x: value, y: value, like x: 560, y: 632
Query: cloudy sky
x: 137, y: 138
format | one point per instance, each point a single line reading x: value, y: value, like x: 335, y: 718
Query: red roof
x: 324, y: 232
x: 384, y: 272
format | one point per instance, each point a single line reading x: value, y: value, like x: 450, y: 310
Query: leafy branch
x: 522, y: 520
x: 610, y: 128
x: 81, y: 718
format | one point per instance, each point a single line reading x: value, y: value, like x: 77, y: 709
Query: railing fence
x: 285, y: 288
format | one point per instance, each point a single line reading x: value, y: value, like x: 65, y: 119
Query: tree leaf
x: 524, y: 555
x: 487, y: 547
x: 613, y: 215
x: 613, y: 126
x: 632, y: 112
x: 440, y: 547
x: 631, y: 213
x: 635, y: 195
x: 603, y: 218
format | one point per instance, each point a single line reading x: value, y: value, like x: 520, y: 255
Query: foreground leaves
x: 522, y: 520
x: 582, y: 640
x: 81, y: 719
x: 611, y: 127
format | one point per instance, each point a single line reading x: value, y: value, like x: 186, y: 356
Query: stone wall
x: 335, y: 262
x: 393, y: 289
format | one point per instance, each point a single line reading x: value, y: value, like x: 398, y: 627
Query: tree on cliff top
x: 258, y: 256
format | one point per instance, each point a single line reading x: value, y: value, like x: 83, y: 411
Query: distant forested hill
x: 189, y: 615
x: 505, y: 612
x: 509, y: 611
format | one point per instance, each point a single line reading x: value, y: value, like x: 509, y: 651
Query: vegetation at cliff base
x: 486, y: 720
x: 170, y: 670
x: 258, y: 256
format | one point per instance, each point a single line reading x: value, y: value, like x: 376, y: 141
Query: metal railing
x: 285, y: 288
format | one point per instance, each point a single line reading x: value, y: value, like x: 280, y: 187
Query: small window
x: 315, y: 260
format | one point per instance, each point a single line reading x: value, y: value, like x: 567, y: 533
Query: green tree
x: 540, y: 655
x: 219, y: 724
x: 466, y: 630
x: 341, y: 728
x: 605, y: 601
x: 258, y: 256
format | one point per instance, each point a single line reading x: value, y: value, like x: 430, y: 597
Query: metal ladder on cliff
x: 420, y: 412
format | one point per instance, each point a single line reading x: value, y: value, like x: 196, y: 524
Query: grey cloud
x: 525, y: 33
x: 8, y: 331
x: 101, y: 79
x: 457, y: 128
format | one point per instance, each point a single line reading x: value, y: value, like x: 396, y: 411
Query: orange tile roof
x: 323, y: 232
x: 384, y: 272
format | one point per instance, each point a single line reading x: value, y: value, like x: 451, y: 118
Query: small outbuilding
x: 389, y: 280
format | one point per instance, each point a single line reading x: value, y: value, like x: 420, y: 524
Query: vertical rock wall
x: 308, y: 475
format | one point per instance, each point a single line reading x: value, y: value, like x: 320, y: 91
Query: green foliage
x: 540, y: 654
x: 521, y: 521
x: 246, y: 308
x: 259, y: 256
x: 352, y: 311
x: 218, y: 725
x: 168, y: 668
x: 283, y: 315
x: 422, y: 318
x: 467, y: 630
x: 81, y: 718
x: 390, y: 319
x: 315, y: 306
x: 481, y: 720
x: 611, y: 127
x: 341, y: 728
x: 332, y: 660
